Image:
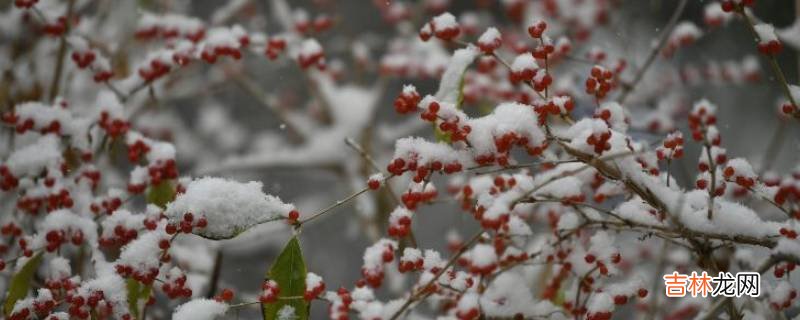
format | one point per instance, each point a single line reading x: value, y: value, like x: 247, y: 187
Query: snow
x: 491, y: 35
x: 637, y: 210
x: 741, y: 167
x: 58, y: 268
x: 30, y: 160
x: 602, y: 245
x: 433, y: 259
x: 113, y: 287
x: 143, y: 254
x: 617, y: 120
x: 312, y: 281
x: 483, y: 255
x: 766, y: 32
x: 411, y: 254
x: 600, y: 302
x: 310, y: 47
x: 67, y: 221
x: 787, y: 247
x: 445, y: 21
x: 160, y: 151
x: 685, y: 30
x: 373, y: 255
x: 564, y: 188
x: 451, y: 79
x: 509, y: 295
x: 200, y: 309
x: 729, y: 218
x: 523, y: 62
x: 123, y: 218
x: 427, y: 152
x: 505, y: 118
x: 230, y: 207
x: 286, y: 312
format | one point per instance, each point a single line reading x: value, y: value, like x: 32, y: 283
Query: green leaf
x: 460, y: 99
x: 21, y: 282
x: 161, y: 194
x: 289, y: 271
x: 136, y: 294
x: 440, y: 135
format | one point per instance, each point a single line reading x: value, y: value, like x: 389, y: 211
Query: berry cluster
x: 225, y: 42
x: 741, y: 177
x: 90, y: 303
x: 399, y: 223
x: 40, y: 307
x: 269, y: 291
x: 226, y: 295
x: 25, y: 4
x: 162, y: 170
x: 489, y: 41
x: 443, y: 26
x: 320, y: 23
x: 418, y: 193
x: 731, y: 5
x: 372, y: 270
x: 55, y: 238
x: 407, y: 101
x: 411, y: 260
x: 672, y: 147
x: 340, y: 304
x: 768, y: 44
x: 311, y: 54
x: 314, y: 286
x: 600, y: 82
x: 114, y: 127
x: 157, y: 68
x: 187, y: 224
x: 122, y: 235
x: 108, y: 205
x: 275, y: 46
x: 599, y: 140
x: 169, y: 27
x: 175, y: 284
x: 788, y: 233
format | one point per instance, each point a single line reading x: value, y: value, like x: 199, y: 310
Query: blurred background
x: 233, y: 118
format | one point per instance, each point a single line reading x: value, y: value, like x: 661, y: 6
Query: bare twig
x: 422, y: 295
x: 62, y: 52
x: 673, y: 20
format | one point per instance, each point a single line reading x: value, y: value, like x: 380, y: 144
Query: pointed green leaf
x: 137, y: 294
x: 21, y: 283
x: 161, y: 194
x: 289, y: 271
x: 460, y: 99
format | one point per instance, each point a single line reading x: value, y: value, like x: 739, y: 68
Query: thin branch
x: 673, y: 20
x: 335, y: 205
x: 62, y: 52
x: 425, y: 293
x: 773, y: 63
x: 355, y: 146
x: 249, y: 86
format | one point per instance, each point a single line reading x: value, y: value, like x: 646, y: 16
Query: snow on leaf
x: 451, y: 84
x: 230, y: 207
